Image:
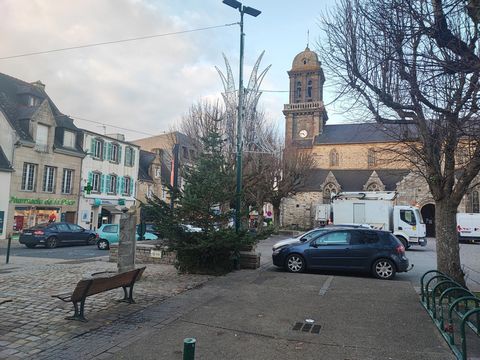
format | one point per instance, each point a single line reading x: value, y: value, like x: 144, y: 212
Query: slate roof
x: 363, y: 133
x: 146, y: 159
x: 4, y: 163
x: 353, y: 180
x: 17, y: 113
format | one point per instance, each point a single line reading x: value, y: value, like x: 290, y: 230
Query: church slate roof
x: 353, y: 180
x: 362, y: 133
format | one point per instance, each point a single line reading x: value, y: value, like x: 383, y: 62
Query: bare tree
x: 289, y: 171
x: 415, y: 66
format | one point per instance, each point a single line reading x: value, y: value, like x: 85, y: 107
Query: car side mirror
x: 314, y: 244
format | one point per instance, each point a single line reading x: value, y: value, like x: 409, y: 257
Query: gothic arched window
x: 372, y: 160
x: 309, y: 88
x: 334, y: 160
x: 475, y: 202
x: 299, y: 89
x: 328, y: 190
x: 472, y: 203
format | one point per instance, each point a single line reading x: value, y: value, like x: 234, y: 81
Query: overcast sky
x: 148, y: 85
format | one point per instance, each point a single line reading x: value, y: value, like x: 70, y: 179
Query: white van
x: 468, y: 226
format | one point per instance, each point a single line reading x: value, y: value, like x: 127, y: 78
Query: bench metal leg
x: 78, y: 314
x: 128, y: 297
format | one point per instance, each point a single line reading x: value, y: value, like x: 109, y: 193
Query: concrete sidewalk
x: 251, y: 315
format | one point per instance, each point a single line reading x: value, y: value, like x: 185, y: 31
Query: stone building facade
x: 47, y: 156
x: 348, y: 157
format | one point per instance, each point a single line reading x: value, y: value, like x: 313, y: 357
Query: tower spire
x: 308, y: 37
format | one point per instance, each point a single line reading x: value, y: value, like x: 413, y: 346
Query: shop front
x: 28, y: 212
x: 94, y: 212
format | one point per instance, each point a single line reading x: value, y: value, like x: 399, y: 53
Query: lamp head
x: 233, y: 3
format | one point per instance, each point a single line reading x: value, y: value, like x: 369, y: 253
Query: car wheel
x: 52, y: 242
x: 91, y: 240
x: 384, y: 269
x: 30, y: 246
x: 295, y: 263
x: 102, y: 244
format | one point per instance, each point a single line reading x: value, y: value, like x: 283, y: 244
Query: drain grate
x: 304, y: 327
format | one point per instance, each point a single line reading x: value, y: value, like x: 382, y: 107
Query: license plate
x: 27, y: 233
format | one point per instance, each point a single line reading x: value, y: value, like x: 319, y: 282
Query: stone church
x: 348, y: 157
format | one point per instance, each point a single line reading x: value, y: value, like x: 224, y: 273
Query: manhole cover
x: 305, y: 327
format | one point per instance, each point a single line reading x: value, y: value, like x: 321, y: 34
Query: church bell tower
x: 305, y: 114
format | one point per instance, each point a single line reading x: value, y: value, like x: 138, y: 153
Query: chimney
x: 38, y: 84
x: 119, y: 137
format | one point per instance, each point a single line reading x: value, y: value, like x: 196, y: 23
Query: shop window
x: 69, y: 139
x: 96, y: 181
x: 29, y: 177
x: 49, y: 179
x: 67, y: 181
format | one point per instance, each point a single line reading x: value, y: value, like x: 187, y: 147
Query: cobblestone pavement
x: 33, y: 323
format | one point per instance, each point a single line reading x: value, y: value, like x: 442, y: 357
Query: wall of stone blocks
x: 298, y: 211
x: 143, y: 254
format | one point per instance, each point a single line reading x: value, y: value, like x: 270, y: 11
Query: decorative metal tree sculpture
x: 254, y: 136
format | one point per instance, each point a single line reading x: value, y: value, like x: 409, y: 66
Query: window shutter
x: 133, y: 158
x: 121, y: 185
x: 92, y: 147
x: 128, y: 156
x: 119, y: 154
x: 109, y: 151
x: 102, y: 185
x: 90, y: 178
x: 108, y: 183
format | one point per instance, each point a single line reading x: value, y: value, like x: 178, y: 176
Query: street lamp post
x: 252, y: 12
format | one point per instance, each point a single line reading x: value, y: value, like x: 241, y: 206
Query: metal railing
x: 440, y: 293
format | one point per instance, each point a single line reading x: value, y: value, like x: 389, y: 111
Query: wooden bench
x: 98, y: 283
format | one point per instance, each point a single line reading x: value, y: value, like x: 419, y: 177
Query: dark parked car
x: 365, y: 250
x: 53, y: 234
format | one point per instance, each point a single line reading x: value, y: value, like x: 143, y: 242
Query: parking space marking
x: 325, y: 286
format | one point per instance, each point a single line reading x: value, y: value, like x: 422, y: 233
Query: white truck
x: 468, y: 227
x: 378, y: 209
x: 322, y: 214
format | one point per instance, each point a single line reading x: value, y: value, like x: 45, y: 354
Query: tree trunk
x: 448, y: 248
x: 276, y: 218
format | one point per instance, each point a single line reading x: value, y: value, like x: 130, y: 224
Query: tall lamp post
x: 252, y: 12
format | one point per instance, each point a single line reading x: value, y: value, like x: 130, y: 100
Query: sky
x: 143, y: 88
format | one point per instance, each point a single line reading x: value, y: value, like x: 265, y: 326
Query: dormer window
x: 41, y: 138
x: 69, y: 139
x: 33, y: 101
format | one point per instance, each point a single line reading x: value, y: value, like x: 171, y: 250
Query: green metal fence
x: 452, y: 307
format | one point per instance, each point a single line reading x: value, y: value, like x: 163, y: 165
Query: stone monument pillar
x: 127, y: 242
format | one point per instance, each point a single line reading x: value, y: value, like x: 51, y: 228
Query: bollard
x: 189, y: 348
x: 9, y: 243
